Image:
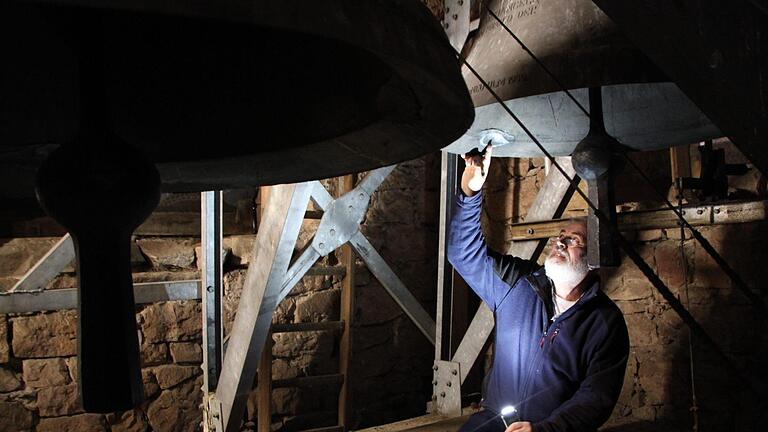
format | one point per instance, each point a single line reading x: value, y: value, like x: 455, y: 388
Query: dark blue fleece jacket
x: 564, y: 375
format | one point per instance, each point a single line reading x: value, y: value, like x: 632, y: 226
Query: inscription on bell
x: 511, y: 11
x: 512, y: 79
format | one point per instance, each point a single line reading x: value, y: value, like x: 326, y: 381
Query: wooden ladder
x: 345, y: 269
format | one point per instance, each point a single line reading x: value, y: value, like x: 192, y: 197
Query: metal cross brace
x: 341, y: 224
x: 272, y: 277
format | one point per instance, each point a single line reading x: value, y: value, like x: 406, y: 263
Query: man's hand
x: 476, y: 171
x: 520, y: 427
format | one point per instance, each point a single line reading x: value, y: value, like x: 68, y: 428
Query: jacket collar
x: 542, y: 286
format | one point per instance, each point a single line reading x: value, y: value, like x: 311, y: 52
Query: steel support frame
x: 29, y: 293
x: 550, y: 202
x: 273, y: 276
x: 212, y: 242
x: 48, y: 267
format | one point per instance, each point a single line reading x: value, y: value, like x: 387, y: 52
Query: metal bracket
x: 456, y: 22
x: 267, y: 284
x: 340, y: 224
x: 446, y: 387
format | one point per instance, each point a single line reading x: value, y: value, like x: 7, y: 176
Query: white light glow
x: 507, y: 410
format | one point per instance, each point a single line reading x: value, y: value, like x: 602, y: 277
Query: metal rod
x: 444, y: 314
x: 684, y: 261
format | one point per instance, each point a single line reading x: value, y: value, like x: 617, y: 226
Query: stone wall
x: 391, y: 360
x: 657, y: 392
x: 38, y: 363
x: 657, y: 385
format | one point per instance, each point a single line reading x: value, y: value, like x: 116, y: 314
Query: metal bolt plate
x: 446, y: 385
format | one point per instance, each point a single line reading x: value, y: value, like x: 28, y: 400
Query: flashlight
x: 507, y: 410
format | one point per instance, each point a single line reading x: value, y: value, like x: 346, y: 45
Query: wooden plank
x: 425, y: 422
x: 325, y: 429
x: 711, y: 214
x: 264, y: 404
x: 680, y: 161
x: 264, y: 390
x: 347, y: 261
x: 48, y: 267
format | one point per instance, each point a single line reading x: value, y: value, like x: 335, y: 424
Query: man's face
x: 567, y: 261
x: 571, y: 246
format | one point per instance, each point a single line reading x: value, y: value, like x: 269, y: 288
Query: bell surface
x: 227, y: 94
x: 582, y: 48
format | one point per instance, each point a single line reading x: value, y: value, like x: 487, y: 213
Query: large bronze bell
x: 107, y: 103
x: 631, y: 104
x: 583, y: 49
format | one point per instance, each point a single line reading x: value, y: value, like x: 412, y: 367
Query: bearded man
x: 561, y: 345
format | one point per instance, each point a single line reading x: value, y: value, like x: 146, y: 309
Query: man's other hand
x: 476, y: 171
x: 520, y: 427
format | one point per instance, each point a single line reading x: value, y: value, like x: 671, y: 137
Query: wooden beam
x: 711, y: 214
x: 264, y: 389
x: 347, y: 261
x: 680, y: 161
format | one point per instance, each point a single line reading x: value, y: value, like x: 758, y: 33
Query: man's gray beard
x: 568, y: 273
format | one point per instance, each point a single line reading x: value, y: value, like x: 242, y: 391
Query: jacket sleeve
x: 593, y: 402
x: 487, y: 272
